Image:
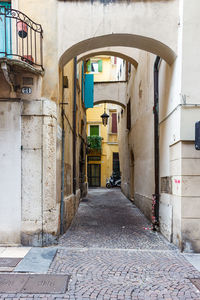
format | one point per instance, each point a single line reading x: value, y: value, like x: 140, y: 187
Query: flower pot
x: 28, y: 58
x: 22, y: 29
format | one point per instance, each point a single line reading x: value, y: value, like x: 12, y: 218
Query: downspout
x: 156, y: 196
x: 62, y: 166
x: 74, y: 128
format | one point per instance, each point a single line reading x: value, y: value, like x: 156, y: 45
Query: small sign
x: 26, y: 90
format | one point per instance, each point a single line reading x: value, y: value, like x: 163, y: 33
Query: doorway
x: 116, y: 167
x: 94, y: 175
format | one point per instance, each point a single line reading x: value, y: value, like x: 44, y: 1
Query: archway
x: 116, y: 102
x: 89, y: 47
x: 125, y: 40
x: 113, y: 52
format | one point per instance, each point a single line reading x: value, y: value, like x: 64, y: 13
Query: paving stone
x: 37, y: 260
x: 9, y: 262
x: 118, y: 259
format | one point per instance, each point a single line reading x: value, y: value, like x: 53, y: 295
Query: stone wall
x: 40, y: 208
x: 10, y: 174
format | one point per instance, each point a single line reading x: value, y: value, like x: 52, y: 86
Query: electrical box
x: 197, y: 135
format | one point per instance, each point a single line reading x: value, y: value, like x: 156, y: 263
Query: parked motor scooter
x: 113, y: 181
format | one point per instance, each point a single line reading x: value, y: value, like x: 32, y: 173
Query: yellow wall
x: 94, y: 118
x: 93, y: 115
x: 108, y: 69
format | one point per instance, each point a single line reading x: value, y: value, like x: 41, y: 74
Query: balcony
x: 94, y: 143
x: 20, y: 38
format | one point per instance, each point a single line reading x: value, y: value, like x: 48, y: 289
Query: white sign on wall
x: 26, y: 90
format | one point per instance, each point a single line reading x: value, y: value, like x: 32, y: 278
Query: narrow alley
x: 99, y: 149
x: 109, y: 254
x: 107, y: 219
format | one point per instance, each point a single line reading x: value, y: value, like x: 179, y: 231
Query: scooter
x: 113, y: 181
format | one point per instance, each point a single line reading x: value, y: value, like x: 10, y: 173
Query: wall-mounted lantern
x: 105, y: 117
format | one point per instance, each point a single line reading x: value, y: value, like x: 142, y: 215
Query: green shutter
x: 100, y: 63
x: 88, y: 65
x: 94, y: 130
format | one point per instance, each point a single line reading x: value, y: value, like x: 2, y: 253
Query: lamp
x: 105, y: 117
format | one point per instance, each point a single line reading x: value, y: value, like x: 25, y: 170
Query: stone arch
x: 110, y: 92
x: 116, y: 102
x: 125, y: 40
x: 108, y: 52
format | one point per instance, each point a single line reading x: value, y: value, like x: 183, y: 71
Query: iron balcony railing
x: 20, y: 37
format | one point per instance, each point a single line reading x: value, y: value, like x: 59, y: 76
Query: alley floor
x: 109, y: 254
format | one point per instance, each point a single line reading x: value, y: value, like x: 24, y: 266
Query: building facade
x: 103, y: 161
x: 40, y: 87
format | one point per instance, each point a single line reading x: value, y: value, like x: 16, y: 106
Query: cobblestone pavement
x: 109, y: 255
x: 107, y: 219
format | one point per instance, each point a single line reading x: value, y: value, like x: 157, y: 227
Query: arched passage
x: 125, y: 40
x: 115, y: 102
x: 110, y: 92
x: 131, y: 41
x: 108, y: 52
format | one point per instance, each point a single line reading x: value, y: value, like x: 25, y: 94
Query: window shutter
x: 100, y: 65
x: 88, y: 65
x: 94, y: 130
x: 89, y: 91
x: 114, y: 123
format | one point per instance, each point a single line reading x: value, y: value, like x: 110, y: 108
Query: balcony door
x: 5, y: 30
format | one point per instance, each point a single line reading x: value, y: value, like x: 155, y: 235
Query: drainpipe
x: 62, y: 167
x: 156, y: 196
x: 74, y: 129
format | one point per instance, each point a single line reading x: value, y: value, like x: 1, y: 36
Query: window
x: 94, y: 130
x: 114, y: 123
x: 94, y: 65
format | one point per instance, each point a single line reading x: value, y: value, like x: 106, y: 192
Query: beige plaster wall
x: 71, y: 201
x: 137, y: 145
x: 10, y: 175
x: 40, y: 208
x: 96, y: 19
x: 59, y: 21
x: 45, y: 13
x: 111, y: 91
x: 139, y: 140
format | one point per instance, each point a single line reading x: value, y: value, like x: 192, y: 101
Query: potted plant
x: 22, y: 29
x: 28, y: 58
